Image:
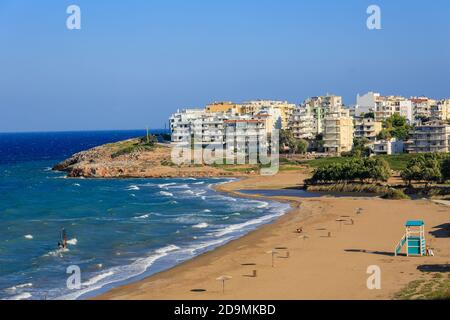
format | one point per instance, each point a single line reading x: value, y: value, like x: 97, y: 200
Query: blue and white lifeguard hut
x: 414, y: 239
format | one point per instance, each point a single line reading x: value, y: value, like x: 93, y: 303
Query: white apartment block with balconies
x: 302, y: 123
x: 246, y: 136
x: 182, y: 123
x: 307, y: 121
x: 430, y: 137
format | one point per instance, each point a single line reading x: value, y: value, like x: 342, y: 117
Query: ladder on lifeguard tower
x: 414, y: 239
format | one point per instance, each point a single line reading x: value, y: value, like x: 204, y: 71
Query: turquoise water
x: 119, y: 230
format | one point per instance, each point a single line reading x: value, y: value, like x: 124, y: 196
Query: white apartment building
x: 211, y: 127
x: 307, y: 121
x: 182, y: 123
x: 206, y: 128
x: 244, y: 134
x: 388, y: 147
x: 384, y: 107
x: 302, y: 123
x: 366, y: 103
x: 430, y: 137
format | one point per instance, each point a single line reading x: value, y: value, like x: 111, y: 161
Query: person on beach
x: 299, y: 230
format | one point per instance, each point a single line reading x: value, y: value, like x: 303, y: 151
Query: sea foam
x: 201, y: 225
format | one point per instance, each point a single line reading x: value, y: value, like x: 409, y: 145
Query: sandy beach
x: 312, y: 265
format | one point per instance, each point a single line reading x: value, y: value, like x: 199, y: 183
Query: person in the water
x: 62, y: 243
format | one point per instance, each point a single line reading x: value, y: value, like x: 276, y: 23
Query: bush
x: 445, y: 169
x: 395, y: 194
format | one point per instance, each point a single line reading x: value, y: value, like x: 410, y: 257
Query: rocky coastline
x: 128, y: 159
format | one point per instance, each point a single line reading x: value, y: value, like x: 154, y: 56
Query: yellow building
x: 446, y: 107
x: 223, y: 107
x: 286, y: 109
x: 338, y: 132
x: 367, y: 128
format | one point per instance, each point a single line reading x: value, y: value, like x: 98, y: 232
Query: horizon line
x: 80, y: 130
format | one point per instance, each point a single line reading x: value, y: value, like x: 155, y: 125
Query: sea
x: 118, y: 230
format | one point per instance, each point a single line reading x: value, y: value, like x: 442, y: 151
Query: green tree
x: 425, y: 167
x: 384, y: 134
x: 397, y: 126
x: 302, y: 146
x: 370, y: 115
x: 288, y: 140
x: 360, y: 148
x: 378, y: 169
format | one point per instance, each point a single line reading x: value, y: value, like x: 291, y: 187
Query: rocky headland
x: 136, y: 159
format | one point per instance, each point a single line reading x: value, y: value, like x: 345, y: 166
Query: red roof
x: 419, y: 100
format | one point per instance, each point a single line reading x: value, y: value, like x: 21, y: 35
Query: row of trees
x: 428, y: 168
x: 351, y: 170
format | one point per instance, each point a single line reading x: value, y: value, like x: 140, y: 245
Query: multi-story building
x: 384, y: 107
x: 441, y: 110
x: 281, y: 109
x: 207, y: 128
x: 366, y: 103
x: 367, y: 128
x: 430, y: 137
x: 302, y: 123
x: 182, y: 123
x: 320, y: 107
x: 422, y: 107
x: 244, y: 134
x: 389, y: 147
x: 338, y: 131
x: 307, y: 121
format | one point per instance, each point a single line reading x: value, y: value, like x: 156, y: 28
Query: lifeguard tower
x: 414, y: 239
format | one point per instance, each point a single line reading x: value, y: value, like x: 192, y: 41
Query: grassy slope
x: 436, y: 287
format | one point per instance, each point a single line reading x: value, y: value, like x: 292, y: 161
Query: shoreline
x: 331, y: 268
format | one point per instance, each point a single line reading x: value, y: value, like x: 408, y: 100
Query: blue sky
x: 134, y: 62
